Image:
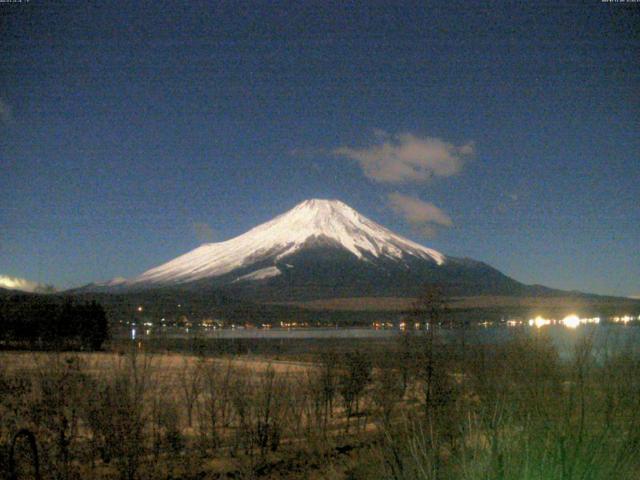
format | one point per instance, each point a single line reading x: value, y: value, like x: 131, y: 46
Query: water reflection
x: 570, y: 321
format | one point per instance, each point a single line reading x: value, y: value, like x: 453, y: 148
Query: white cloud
x: 425, y: 216
x: 6, y: 114
x: 406, y: 158
x: 203, y: 232
x: 15, y: 283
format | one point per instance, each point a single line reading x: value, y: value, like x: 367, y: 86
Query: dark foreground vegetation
x: 405, y: 409
x: 46, y: 322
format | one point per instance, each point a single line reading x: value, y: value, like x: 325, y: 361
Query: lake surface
x: 605, y: 337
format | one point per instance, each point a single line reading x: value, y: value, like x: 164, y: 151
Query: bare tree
x: 430, y: 311
x: 190, y: 381
x: 355, y: 375
x: 116, y: 415
x: 215, y: 405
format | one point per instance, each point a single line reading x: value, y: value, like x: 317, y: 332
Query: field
x: 404, y: 408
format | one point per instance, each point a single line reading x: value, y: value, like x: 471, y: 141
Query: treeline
x: 39, y: 322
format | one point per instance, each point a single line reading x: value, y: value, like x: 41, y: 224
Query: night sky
x: 508, y: 132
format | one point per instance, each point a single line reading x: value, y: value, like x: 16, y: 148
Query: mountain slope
x: 311, y: 222
x: 319, y: 249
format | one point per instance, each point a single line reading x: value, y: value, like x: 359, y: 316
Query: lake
x: 605, y: 337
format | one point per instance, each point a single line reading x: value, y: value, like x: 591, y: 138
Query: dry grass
x: 505, y: 411
x: 170, y: 364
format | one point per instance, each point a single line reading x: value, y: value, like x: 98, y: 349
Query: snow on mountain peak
x: 286, y: 234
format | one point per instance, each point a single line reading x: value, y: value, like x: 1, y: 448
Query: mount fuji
x: 319, y: 249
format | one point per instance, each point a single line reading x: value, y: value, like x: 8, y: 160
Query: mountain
x: 319, y: 249
x: 311, y: 224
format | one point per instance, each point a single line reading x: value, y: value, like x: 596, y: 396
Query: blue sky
x: 133, y: 131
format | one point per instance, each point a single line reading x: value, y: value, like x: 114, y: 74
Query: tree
x: 354, y: 377
x: 190, y: 380
x: 95, y: 327
x: 88, y: 323
x: 431, y: 310
x: 41, y: 321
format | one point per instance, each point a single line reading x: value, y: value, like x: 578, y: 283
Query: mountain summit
x: 320, y: 249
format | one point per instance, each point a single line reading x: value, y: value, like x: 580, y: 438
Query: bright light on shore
x: 571, y: 321
x: 539, y: 322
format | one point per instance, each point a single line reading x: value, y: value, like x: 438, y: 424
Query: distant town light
x: 624, y: 319
x: 539, y: 322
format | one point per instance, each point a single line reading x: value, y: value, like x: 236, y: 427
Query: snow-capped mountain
x: 319, y: 249
x: 312, y: 220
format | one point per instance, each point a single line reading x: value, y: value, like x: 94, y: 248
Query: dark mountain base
x: 326, y: 272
